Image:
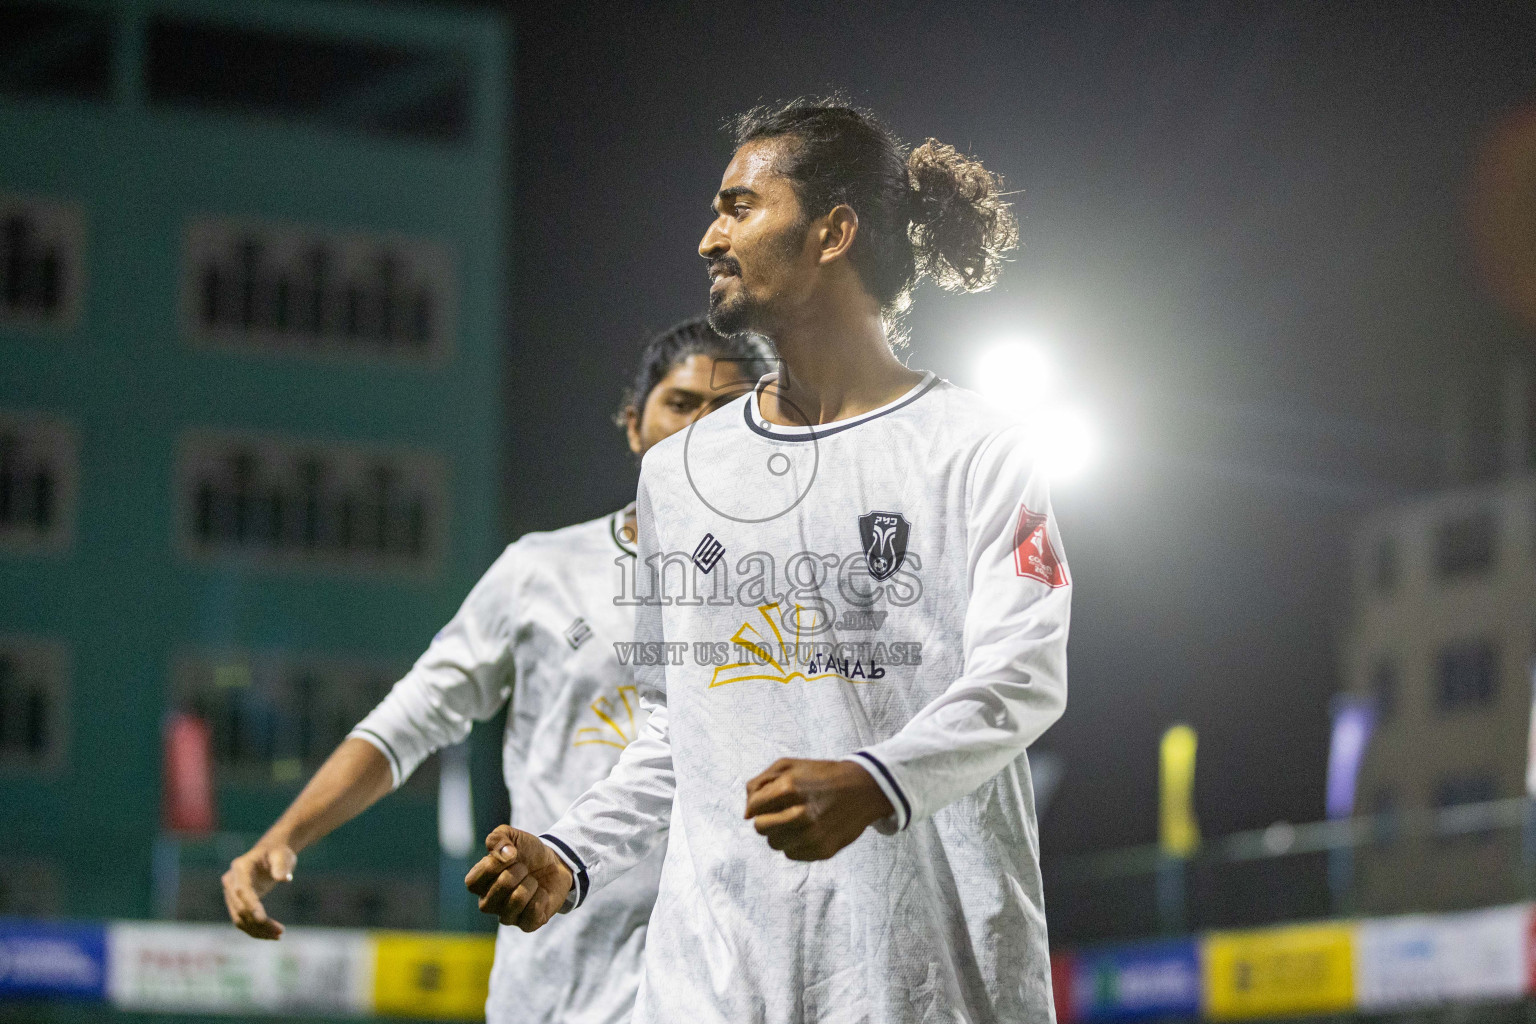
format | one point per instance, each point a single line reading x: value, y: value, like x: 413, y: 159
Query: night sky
x: 1245, y: 242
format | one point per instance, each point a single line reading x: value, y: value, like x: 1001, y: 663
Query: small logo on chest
x: 578, y: 633
x: 708, y: 553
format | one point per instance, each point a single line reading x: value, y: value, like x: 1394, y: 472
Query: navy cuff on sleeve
x: 575, y: 863
x: 888, y: 785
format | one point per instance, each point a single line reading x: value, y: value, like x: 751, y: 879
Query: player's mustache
x: 726, y: 265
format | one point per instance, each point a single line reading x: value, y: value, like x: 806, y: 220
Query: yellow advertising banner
x: 1273, y: 972
x: 419, y: 974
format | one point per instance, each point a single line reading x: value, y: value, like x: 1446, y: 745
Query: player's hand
x: 250, y: 877
x: 520, y: 880
x: 812, y: 809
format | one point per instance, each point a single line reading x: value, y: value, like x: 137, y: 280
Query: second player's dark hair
x: 929, y: 212
x: 752, y: 355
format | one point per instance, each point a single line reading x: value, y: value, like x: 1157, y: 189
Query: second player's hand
x: 250, y: 877
x: 520, y: 880
x: 811, y: 809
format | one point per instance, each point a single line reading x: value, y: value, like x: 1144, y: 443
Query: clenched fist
x: 812, y: 809
x: 520, y: 881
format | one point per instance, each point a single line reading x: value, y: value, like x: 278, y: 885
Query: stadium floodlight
x: 1015, y: 374
x: 1020, y: 378
x: 1065, y: 441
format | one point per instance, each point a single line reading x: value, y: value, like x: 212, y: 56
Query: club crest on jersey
x: 884, y: 536
x: 1033, y: 554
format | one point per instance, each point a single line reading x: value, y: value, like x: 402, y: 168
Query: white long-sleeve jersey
x: 539, y: 629
x: 889, y: 588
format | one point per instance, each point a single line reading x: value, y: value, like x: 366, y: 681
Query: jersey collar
x: 778, y: 432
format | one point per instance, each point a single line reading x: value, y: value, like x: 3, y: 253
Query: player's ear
x: 838, y: 230
x: 632, y: 428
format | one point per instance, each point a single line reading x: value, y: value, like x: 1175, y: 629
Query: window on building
x: 317, y: 506
x: 280, y: 288
x: 273, y: 720
x: 1384, y: 565
x: 38, y: 473
x: 33, y: 697
x: 1384, y: 689
x: 1465, y: 546
x: 403, y: 92
x: 1468, y: 675
x: 42, y: 262
x: 55, y: 50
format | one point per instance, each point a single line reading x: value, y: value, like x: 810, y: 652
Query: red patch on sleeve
x: 1033, y: 555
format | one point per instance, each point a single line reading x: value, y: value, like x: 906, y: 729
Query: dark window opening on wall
x: 41, y: 261
x: 1465, y: 546
x: 319, y: 506
x: 37, y: 482
x: 48, y: 50
x: 31, y: 705
x: 370, y: 87
x: 1468, y: 675
x: 282, y: 288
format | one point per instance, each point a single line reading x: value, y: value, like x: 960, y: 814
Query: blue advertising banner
x: 1148, y: 979
x: 52, y: 959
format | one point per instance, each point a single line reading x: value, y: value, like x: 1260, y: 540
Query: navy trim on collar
x: 817, y: 433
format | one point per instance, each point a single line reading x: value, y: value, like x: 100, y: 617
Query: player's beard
x: 735, y: 315
x: 745, y: 312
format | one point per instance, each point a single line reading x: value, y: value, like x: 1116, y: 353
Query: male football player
x: 539, y: 630
x: 857, y: 616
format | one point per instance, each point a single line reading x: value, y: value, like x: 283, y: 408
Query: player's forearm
x: 622, y: 818
x: 350, y: 781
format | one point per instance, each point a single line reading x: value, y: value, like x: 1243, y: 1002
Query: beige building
x: 1442, y: 634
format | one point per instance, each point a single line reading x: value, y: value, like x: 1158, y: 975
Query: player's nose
x: 715, y: 243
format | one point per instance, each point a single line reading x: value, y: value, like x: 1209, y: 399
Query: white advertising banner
x: 174, y: 967
x: 1422, y: 960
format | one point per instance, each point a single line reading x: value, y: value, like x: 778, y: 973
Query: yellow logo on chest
x: 617, y: 715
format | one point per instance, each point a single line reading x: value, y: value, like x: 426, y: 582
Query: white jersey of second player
x: 889, y: 589
x: 539, y: 629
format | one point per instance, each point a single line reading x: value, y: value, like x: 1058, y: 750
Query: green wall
x: 123, y: 598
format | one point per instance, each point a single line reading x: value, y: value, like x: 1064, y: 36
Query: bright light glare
x: 1065, y: 441
x: 1015, y: 374
x: 1020, y: 379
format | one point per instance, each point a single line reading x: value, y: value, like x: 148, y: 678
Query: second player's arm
x: 349, y: 782
x: 461, y: 678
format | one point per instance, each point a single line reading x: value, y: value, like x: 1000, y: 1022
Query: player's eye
x: 741, y: 210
